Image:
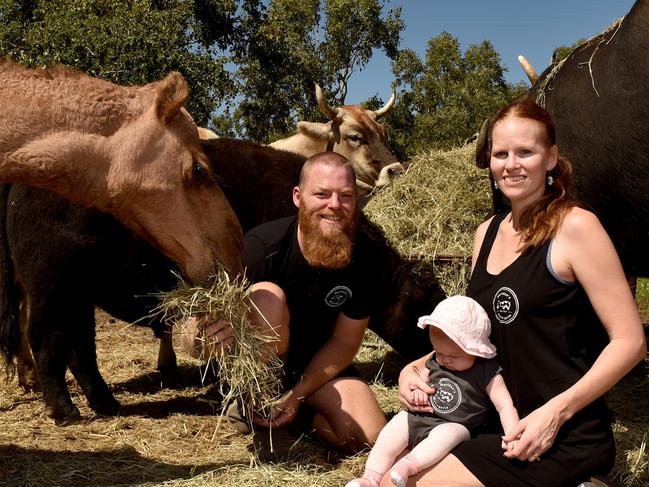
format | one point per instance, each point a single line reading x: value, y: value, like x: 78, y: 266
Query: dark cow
x: 67, y: 259
x: 598, y: 98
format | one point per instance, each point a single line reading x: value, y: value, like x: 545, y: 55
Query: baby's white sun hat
x: 465, y: 322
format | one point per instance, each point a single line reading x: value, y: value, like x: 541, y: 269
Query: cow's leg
x: 51, y: 354
x: 83, y: 363
x: 167, y: 362
x: 27, y: 373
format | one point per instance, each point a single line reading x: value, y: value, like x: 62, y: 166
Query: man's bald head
x: 331, y: 159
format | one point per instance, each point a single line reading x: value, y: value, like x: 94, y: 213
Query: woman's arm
x: 595, y: 264
x: 413, y: 381
x: 583, y: 250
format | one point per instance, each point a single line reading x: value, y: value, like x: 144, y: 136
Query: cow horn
x: 483, y: 146
x: 331, y: 113
x: 386, y: 108
x: 529, y: 70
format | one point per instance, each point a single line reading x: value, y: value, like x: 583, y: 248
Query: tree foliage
x: 444, y: 98
x: 127, y: 42
x: 562, y: 52
x: 293, y: 44
x: 252, y: 64
x: 256, y: 61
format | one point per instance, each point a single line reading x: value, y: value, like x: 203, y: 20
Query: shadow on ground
x: 124, y: 466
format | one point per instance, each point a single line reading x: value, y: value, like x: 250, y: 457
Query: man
x: 315, y: 283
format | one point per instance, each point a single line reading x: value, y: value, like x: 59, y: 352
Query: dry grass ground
x: 165, y: 436
x: 169, y: 436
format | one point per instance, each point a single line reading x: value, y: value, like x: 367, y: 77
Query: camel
x: 133, y: 152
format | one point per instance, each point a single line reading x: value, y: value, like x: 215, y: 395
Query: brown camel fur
x: 133, y: 152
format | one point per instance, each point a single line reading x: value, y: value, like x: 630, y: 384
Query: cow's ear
x: 172, y: 92
x: 483, y: 145
x: 315, y: 130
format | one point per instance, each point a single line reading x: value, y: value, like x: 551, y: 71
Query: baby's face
x: 447, y: 353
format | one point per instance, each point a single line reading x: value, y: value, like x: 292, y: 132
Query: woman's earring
x: 550, y: 179
x: 495, y: 185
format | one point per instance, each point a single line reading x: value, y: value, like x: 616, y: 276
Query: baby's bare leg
x: 441, y: 440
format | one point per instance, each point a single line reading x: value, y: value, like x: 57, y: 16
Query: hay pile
x: 432, y: 212
x: 435, y: 207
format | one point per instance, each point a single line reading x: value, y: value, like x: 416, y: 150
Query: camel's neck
x: 71, y: 164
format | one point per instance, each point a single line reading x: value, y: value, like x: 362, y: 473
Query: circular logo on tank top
x: 447, y: 398
x: 505, y: 305
x: 337, y: 296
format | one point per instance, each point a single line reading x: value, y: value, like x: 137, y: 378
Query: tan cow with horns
x: 353, y: 132
x: 133, y: 152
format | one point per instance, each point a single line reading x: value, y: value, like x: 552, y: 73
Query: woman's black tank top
x: 545, y: 329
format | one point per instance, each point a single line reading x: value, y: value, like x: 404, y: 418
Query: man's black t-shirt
x: 315, y: 296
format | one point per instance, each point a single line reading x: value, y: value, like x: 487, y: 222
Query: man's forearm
x: 327, y: 363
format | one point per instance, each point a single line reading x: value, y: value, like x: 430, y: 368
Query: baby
x: 465, y: 378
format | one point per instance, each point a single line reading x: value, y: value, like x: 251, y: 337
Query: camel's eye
x: 200, y: 175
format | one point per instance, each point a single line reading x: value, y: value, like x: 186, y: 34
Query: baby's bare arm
x: 502, y: 400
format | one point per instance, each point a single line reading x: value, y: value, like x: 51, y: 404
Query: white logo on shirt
x: 337, y: 296
x: 448, y: 396
x: 505, y: 305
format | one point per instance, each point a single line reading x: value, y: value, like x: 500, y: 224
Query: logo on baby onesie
x: 447, y: 398
x: 337, y: 296
x: 505, y: 305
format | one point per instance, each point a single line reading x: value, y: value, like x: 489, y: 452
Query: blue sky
x: 531, y: 28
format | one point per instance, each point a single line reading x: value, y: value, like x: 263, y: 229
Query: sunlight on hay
x: 249, y: 370
x: 433, y: 210
x: 436, y: 205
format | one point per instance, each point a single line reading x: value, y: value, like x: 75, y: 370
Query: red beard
x: 331, y: 250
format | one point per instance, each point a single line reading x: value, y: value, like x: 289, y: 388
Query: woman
x: 547, y: 274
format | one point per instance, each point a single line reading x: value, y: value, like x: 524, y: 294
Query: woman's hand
x: 534, y: 434
x: 414, y: 390
x: 282, y: 413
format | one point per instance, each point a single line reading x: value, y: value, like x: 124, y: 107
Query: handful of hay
x: 248, y: 369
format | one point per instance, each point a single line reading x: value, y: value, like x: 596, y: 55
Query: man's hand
x: 203, y: 339
x: 283, y: 412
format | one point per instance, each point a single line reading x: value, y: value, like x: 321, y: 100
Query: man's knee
x: 350, y: 413
x: 271, y: 312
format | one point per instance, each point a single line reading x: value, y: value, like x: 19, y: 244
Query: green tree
x: 562, y: 52
x: 132, y: 42
x: 444, y: 98
x: 292, y: 44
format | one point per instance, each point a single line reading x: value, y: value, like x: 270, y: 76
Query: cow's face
x: 357, y: 136
x: 166, y: 191
x: 355, y: 133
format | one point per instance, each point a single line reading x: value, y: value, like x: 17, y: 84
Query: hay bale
x: 431, y: 210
